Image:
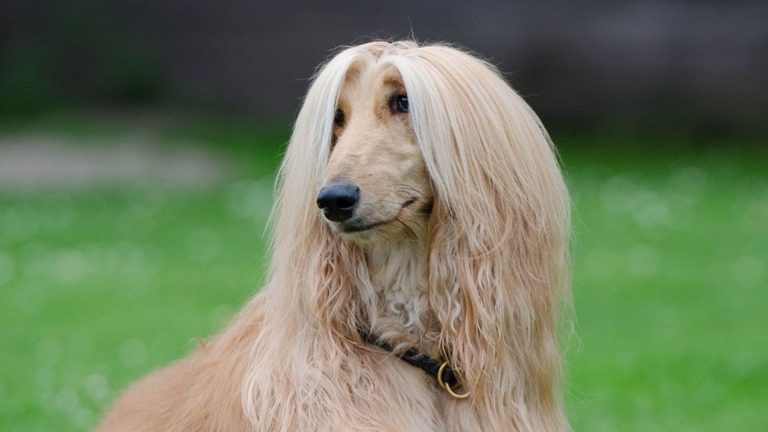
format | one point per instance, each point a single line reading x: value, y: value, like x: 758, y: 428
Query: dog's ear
x: 494, y: 285
x: 498, y: 231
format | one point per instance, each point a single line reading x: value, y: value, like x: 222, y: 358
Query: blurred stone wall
x: 582, y: 65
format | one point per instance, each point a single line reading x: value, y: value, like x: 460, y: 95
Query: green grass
x: 670, y: 278
x: 101, y: 285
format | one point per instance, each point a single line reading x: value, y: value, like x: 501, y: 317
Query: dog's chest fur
x: 400, y: 313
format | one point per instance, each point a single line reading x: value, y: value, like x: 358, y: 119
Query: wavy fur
x: 483, y: 278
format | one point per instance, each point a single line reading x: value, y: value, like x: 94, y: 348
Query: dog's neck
x: 400, y: 314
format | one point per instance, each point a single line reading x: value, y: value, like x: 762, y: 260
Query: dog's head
x: 375, y: 184
x: 400, y: 141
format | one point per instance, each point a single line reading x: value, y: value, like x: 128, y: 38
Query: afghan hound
x: 419, y: 264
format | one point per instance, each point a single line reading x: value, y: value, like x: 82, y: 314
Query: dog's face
x: 376, y: 184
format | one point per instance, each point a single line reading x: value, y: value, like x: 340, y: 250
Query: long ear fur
x: 498, y: 234
x: 312, y: 265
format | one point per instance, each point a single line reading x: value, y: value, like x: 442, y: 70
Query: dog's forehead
x: 369, y: 76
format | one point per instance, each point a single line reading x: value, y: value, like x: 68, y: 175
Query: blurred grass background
x: 103, y: 282
x: 139, y: 140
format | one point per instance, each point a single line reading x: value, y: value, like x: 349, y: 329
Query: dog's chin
x: 358, y: 228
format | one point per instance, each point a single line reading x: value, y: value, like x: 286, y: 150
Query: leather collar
x: 440, y: 370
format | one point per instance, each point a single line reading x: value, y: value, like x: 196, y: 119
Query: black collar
x: 440, y: 370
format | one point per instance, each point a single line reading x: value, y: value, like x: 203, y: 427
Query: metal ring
x: 446, y: 386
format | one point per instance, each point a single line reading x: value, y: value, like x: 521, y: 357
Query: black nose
x: 338, y: 200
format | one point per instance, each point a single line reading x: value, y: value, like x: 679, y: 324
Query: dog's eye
x: 338, y: 118
x: 399, y: 104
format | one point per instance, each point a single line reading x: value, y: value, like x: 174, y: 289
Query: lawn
x: 101, y: 284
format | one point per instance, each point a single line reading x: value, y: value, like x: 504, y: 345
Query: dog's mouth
x: 358, y: 225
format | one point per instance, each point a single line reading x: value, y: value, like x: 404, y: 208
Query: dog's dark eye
x: 399, y: 104
x: 338, y: 118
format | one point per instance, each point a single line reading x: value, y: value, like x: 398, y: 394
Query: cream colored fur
x: 469, y: 264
